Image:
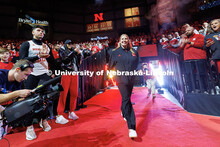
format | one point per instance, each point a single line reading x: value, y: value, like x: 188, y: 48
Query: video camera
x: 14, y: 115
x: 65, y: 59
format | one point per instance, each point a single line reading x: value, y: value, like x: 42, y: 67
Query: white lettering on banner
x: 112, y: 73
x: 37, y: 22
x: 24, y: 20
x: 99, y: 38
x: 42, y: 22
x: 72, y: 73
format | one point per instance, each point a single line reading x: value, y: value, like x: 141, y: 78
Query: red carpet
x: 159, y: 123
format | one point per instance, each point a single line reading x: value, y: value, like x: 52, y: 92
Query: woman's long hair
x: 129, y: 44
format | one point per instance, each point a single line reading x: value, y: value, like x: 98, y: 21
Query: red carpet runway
x: 160, y: 123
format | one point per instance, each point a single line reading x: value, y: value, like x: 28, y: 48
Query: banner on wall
x: 148, y: 50
x: 103, y: 26
x: 100, y: 26
x: 33, y: 21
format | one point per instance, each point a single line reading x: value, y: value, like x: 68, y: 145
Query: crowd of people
x: 34, y: 59
x: 87, y: 48
x: 29, y: 61
x: 199, y: 48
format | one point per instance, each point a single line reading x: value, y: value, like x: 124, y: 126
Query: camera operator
x: 70, y: 58
x: 39, y: 53
x: 10, y: 83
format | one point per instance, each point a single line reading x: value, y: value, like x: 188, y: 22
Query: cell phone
x: 209, y: 39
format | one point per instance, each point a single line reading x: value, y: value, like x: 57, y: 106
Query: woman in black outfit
x: 212, y: 43
x: 124, y: 58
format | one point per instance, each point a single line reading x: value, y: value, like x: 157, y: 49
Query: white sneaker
x: 30, y: 133
x: 61, y: 120
x: 73, y: 116
x: 1, y: 132
x: 132, y: 133
x: 46, y: 127
x: 1, y: 129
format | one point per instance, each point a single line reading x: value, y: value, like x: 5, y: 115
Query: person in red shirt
x: 177, y: 36
x: 4, y: 55
x: 173, y: 42
x: 184, y: 27
x: 55, y: 51
x: 95, y: 49
x: 194, y: 60
x: 136, y: 43
x: 12, y: 52
x: 163, y: 41
x: 193, y: 46
x: 154, y: 40
x: 5, y: 64
x: 177, y: 48
x: 143, y: 41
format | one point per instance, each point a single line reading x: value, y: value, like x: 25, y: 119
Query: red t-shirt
x: 143, y: 42
x: 195, y: 51
x: 136, y: 43
x: 95, y: 49
x: 13, y: 53
x: 55, y: 54
x: 8, y: 65
x: 17, y: 54
x: 174, y: 41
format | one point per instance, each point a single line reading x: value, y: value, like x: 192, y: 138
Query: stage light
x: 158, y: 73
x: 160, y: 77
x: 106, y: 67
x: 110, y: 76
x: 106, y: 83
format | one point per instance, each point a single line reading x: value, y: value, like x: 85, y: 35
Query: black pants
x: 31, y: 83
x: 196, y: 70
x: 126, y: 106
x: 217, y: 72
